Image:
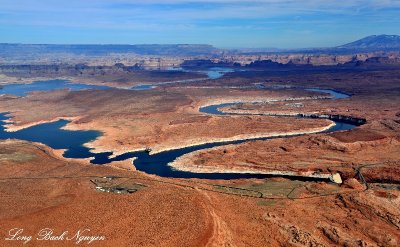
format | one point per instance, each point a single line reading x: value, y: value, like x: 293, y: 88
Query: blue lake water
x: 336, y: 94
x: 212, y: 73
x: 55, y: 137
x: 52, y: 135
x: 143, y: 87
x: 217, y: 72
x: 49, y: 85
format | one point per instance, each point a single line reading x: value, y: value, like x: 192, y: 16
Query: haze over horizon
x: 221, y: 23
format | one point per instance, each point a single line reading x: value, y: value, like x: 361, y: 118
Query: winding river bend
x: 55, y: 137
x: 52, y: 134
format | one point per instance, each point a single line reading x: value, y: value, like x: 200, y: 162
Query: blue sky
x: 223, y: 23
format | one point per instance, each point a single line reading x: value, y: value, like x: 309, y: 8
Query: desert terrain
x: 200, y: 123
x: 128, y: 207
x: 45, y: 191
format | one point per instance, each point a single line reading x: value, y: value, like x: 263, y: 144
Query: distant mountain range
x: 97, y: 50
x: 367, y: 44
x: 374, y: 42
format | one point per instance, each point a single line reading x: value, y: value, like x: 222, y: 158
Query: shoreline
x: 10, y: 80
x: 334, y: 177
x: 249, y: 137
x: 259, y: 99
x: 11, y: 127
x: 96, y: 149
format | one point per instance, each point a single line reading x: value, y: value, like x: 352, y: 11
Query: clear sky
x: 223, y: 23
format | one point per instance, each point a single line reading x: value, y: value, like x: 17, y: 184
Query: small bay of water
x: 336, y: 94
x: 49, y: 85
x: 217, y: 72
